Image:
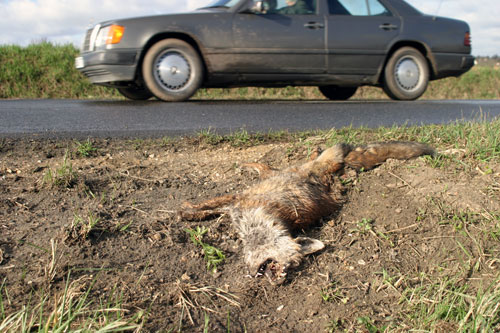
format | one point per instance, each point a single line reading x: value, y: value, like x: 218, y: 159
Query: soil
x: 390, y: 228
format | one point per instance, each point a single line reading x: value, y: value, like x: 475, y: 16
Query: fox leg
x: 199, y: 215
x: 211, y: 204
x: 206, y: 209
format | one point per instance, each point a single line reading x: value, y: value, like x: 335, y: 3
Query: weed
x: 85, y: 149
x: 334, y: 325
x: 213, y: 256
x: 240, y: 138
x: 333, y: 293
x: 63, y: 176
x: 210, y: 137
x: 369, y: 325
x: 365, y: 225
x: 81, y: 228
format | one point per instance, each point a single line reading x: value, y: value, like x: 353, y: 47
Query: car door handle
x: 314, y: 25
x: 388, y: 26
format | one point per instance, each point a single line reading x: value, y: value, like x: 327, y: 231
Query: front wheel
x: 172, y: 70
x: 406, y: 74
x: 335, y: 93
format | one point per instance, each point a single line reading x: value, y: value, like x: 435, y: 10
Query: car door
x: 360, y: 33
x: 277, y: 41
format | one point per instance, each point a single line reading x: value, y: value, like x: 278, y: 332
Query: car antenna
x: 439, y: 7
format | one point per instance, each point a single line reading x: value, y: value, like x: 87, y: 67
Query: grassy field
x: 47, y: 71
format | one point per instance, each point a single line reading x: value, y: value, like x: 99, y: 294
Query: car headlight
x: 112, y: 34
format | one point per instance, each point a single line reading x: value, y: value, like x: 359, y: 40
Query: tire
x: 135, y: 93
x: 172, y: 70
x: 406, y: 74
x: 335, y: 93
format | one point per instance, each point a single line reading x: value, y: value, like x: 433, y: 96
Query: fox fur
x: 266, y: 214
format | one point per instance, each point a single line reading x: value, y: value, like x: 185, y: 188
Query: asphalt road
x: 85, y: 118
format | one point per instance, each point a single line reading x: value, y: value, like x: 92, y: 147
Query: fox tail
x: 369, y: 156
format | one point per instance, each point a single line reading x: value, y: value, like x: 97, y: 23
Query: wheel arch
x: 170, y: 35
x: 421, y: 47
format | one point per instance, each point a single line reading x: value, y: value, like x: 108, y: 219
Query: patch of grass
x: 213, y: 256
x: 82, y: 228
x: 209, y: 136
x: 85, y: 148
x: 63, y: 176
x: 45, y: 70
x: 72, y: 310
x: 449, y: 301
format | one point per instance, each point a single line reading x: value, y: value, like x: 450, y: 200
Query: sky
x: 64, y: 21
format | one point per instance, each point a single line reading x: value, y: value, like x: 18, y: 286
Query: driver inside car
x: 296, y: 7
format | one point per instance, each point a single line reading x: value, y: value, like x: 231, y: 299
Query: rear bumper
x: 108, y: 66
x: 452, y: 64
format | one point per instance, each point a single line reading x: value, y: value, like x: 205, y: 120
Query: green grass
x: 63, y: 176
x: 70, y: 311
x: 213, y: 256
x: 45, y: 70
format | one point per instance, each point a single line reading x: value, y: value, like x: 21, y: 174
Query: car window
x: 223, y: 3
x: 289, y: 7
x: 357, y: 8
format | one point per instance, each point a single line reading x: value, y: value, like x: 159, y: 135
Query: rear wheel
x: 135, y: 93
x: 172, y: 70
x: 406, y: 74
x: 335, y: 93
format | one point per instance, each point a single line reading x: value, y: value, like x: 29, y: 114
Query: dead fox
x: 266, y: 214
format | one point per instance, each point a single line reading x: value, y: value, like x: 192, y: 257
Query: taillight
x: 467, y: 40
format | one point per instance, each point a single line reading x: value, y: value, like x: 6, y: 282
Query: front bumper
x: 108, y: 66
x: 452, y: 64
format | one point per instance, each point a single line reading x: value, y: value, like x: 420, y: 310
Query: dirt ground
x: 400, y: 224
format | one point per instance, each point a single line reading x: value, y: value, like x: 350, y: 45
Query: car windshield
x: 223, y: 3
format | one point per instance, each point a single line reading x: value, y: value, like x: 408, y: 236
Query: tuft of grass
x: 85, y: 149
x: 81, y: 229
x: 73, y: 310
x: 63, y: 176
x: 449, y: 301
x: 213, y: 256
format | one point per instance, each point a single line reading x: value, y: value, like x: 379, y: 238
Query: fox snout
x: 268, y: 247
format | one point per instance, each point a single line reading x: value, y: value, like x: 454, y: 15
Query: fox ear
x: 309, y: 245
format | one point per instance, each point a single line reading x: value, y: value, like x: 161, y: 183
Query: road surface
x: 86, y: 118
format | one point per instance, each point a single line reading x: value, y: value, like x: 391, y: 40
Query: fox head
x: 269, y: 249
